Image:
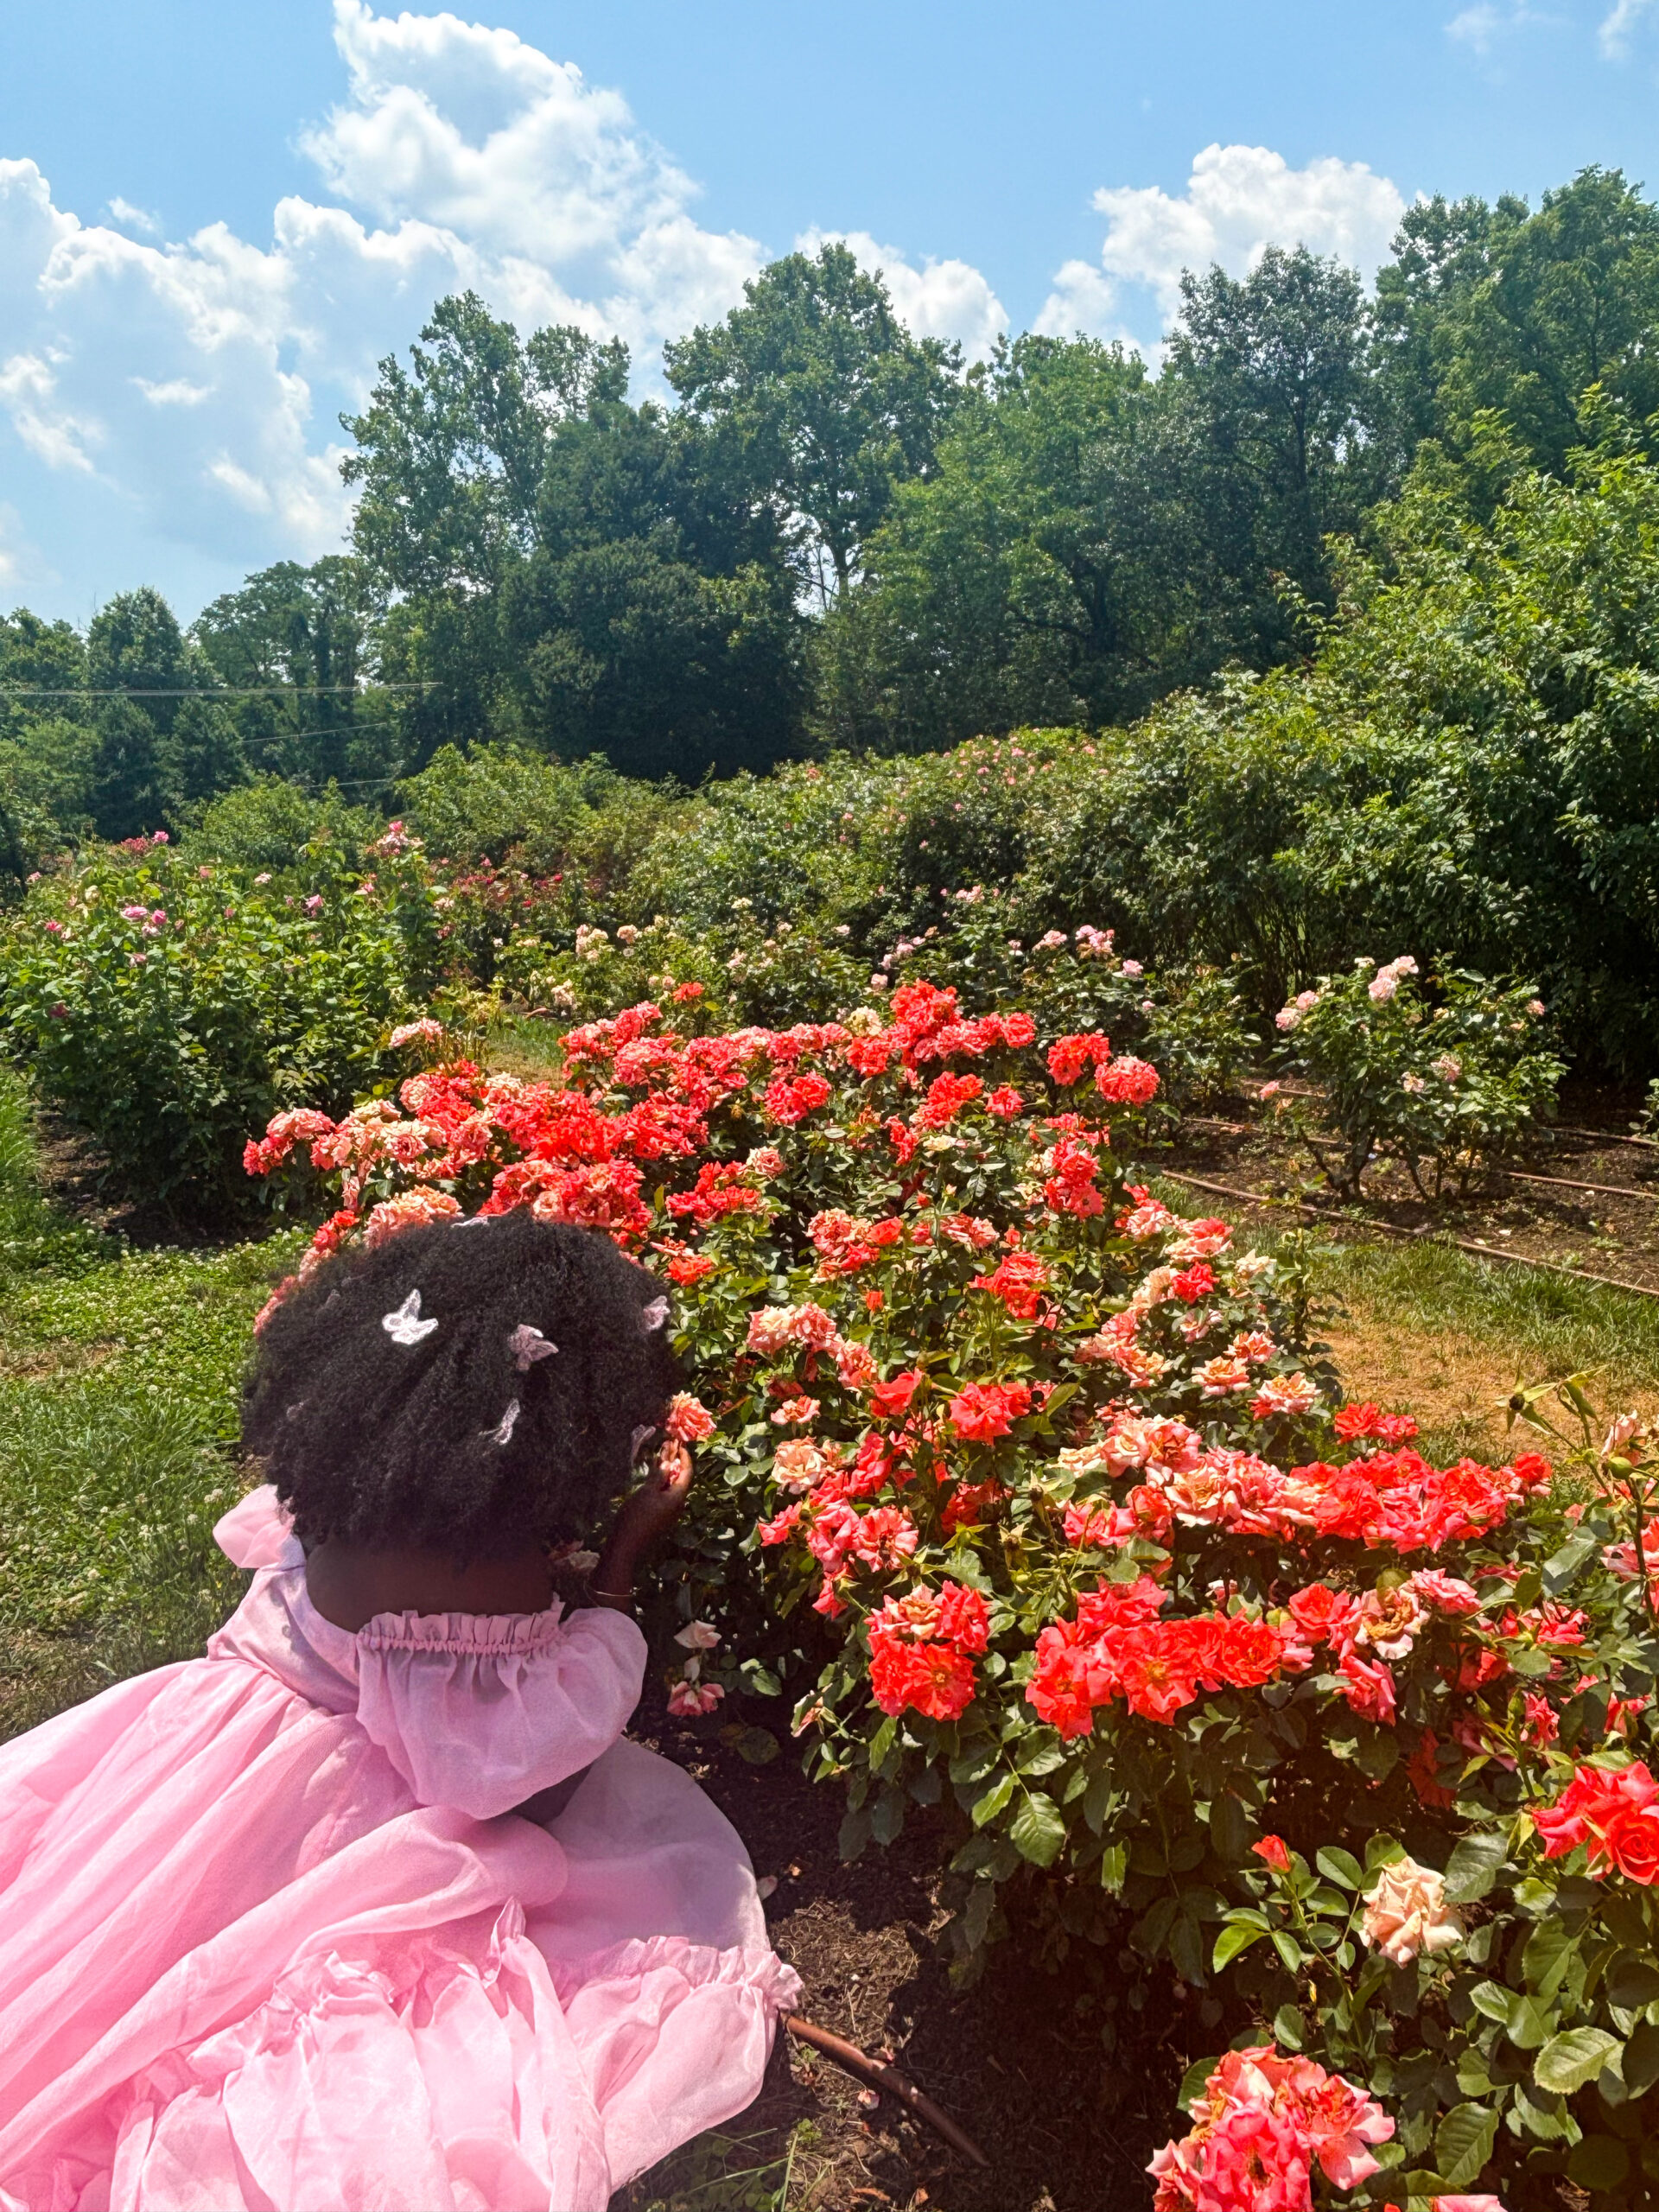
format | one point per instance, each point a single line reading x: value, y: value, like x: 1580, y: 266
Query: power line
x: 191, y: 691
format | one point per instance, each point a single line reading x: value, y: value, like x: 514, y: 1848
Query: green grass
x: 1428, y: 1329
x: 719, y: 2172
x: 118, y: 1377
x: 1552, y: 1323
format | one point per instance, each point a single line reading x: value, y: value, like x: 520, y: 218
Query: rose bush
x: 164, y: 1004
x: 1446, y: 1086
x: 1046, y: 1506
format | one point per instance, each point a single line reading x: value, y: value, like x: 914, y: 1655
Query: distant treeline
x: 840, y: 538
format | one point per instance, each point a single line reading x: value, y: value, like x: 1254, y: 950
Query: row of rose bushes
x: 165, y: 1002
x: 1040, y: 1500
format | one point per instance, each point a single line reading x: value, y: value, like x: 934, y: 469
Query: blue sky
x: 213, y: 219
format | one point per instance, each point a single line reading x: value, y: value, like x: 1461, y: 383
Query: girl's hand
x: 647, y: 1515
x: 650, y: 1511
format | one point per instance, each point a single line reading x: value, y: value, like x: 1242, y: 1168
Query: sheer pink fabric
x: 271, y: 1940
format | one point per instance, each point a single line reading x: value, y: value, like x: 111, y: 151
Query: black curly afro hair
x: 405, y: 1436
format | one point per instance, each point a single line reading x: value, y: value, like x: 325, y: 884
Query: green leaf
x: 977, y: 1916
x: 1568, y: 2060
x: 1287, y: 1947
x: 1493, y: 1999
x: 989, y: 1802
x: 1042, y: 1757
x: 1633, y: 1983
x: 757, y: 1745
x: 1550, y: 1951
x: 1236, y: 1936
x: 1230, y: 1828
x: 1562, y: 1566
x: 1341, y: 1866
x: 1098, y: 1802
x: 975, y: 1763
x: 855, y: 1833
x: 1038, y: 1833
x: 1599, y: 2164
x: 1472, y: 2078
x: 888, y: 1817
x: 1641, y: 2066
x: 1548, y: 2121
x: 1463, y: 2144
x: 1288, y: 2028
x: 1527, y: 2025
x: 1378, y: 1754
x: 1113, y: 1866
x: 1474, y: 1866
x: 1186, y: 1947
x: 1194, y: 2082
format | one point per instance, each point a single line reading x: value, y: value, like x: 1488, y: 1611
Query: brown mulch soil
x: 1065, y: 2127
x: 1611, y: 1230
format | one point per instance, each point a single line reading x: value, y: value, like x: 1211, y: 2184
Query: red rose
x: 1632, y: 1841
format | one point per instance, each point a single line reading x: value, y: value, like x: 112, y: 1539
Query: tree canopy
x: 829, y: 530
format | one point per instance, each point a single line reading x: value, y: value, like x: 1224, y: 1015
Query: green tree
x: 200, y: 756
x: 450, y: 451
x: 1507, y: 309
x: 299, y: 644
x: 567, y: 570
x: 45, y: 741
x: 1274, y: 368
x: 160, y: 743
x: 135, y: 645
x: 128, y: 789
x: 821, y: 400
x: 1055, y: 566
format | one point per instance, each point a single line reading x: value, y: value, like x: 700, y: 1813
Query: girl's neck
x: 349, y: 1585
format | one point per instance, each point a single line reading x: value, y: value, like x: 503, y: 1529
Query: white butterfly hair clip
x: 502, y: 1432
x: 638, y: 1441
x: 527, y: 1345
x: 404, y: 1326
x: 652, y: 1317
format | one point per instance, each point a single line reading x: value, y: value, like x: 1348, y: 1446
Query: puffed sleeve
x: 255, y: 1530
x: 478, y: 1712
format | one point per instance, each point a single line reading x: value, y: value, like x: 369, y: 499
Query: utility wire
x: 192, y: 691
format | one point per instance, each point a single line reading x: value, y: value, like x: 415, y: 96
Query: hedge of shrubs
x: 1042, y: 1505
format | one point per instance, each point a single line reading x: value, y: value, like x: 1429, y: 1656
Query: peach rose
x: 1406, y: 1912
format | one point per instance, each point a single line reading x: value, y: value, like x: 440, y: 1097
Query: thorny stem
x: 1645, y: 1578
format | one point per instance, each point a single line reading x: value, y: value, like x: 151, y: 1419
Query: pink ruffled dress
x: 272, y: 1940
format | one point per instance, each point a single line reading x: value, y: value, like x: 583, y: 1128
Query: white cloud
x: 178, y: 391
x: 942, y: 299
x: 19, y: 562
x: 1083, y: 298
x: 192, y: 385
x: 1482, y: 26
x: 1614, y: 33
x: 29, y: 388
x: 1238, y: 200
x: 135, y: 219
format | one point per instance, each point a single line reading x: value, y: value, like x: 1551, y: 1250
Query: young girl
x: 376, y: 1906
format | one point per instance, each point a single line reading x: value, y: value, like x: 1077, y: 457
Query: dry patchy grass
x: 1435, y: 1333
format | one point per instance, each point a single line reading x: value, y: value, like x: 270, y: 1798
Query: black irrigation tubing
x: 1410, y: 1236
